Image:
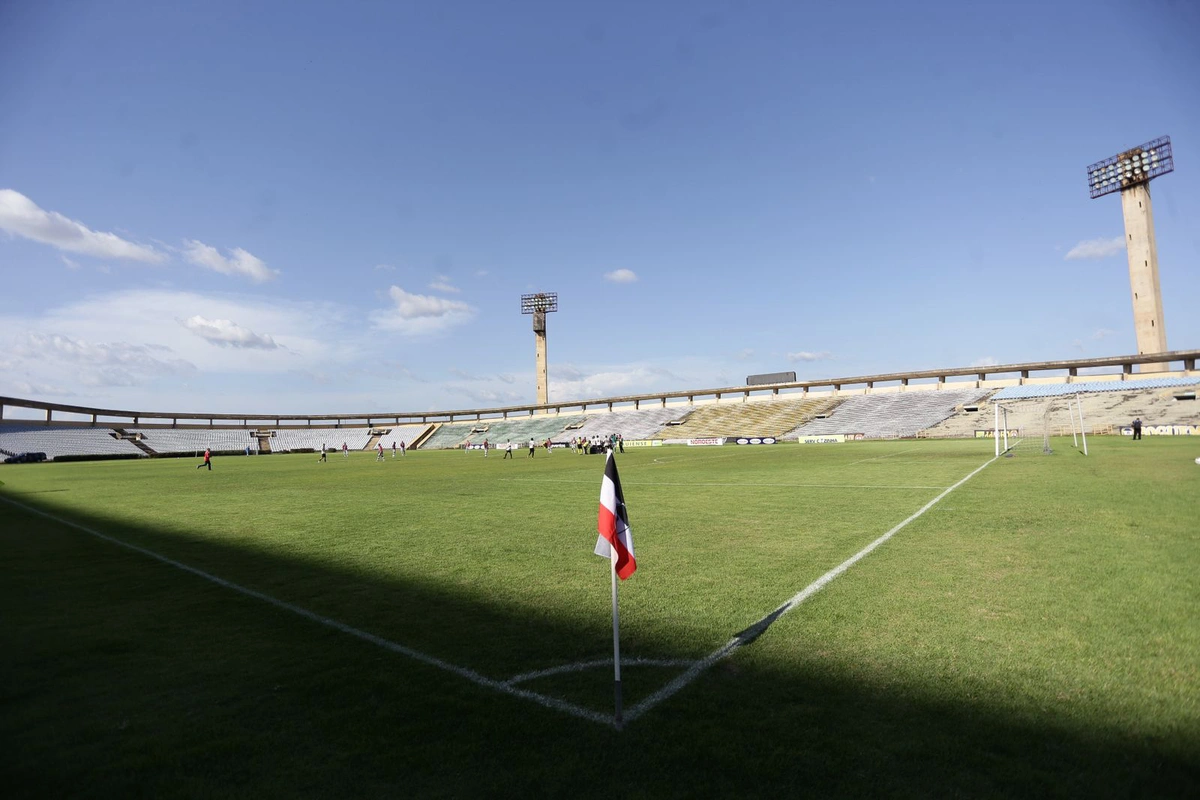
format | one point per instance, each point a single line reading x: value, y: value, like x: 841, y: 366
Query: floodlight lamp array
x: 1131, y: 167
x: 541, y: 301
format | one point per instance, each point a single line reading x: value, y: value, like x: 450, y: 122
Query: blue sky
x: 319, y: 207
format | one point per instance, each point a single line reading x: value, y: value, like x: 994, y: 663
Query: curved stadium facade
x: 939, y: 402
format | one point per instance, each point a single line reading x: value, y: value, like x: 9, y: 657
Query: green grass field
x: 1036, y: 632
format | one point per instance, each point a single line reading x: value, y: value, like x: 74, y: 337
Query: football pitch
x: 868, y: 618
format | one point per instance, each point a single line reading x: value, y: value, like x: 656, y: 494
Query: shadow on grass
x: 123, y: 676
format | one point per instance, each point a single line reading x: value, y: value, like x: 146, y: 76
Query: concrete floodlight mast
x: 1129, y: 172
x: 539, y: 305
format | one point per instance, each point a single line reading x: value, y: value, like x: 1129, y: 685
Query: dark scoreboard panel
x: 770, y: 377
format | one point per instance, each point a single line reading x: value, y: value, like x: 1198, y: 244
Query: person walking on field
x: 345, y: 450
x: 323, y: 457
x: 532, y: 446
x: 486, y: 445
x: 508, y: 450
x: 403, y: 449
x: 393, y: 448
x: 1137, y: 428
x: 379, y: 448
x: 207, y: 460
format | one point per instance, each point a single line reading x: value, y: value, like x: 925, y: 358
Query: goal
x: 1021, y: 425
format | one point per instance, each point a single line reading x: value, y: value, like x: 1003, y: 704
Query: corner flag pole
x: 615, y: 543
x: 616, y: 644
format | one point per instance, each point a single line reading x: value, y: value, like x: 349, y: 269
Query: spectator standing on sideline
x: 207, y: 460
x: 1137, y: 428
x: 621, y: 442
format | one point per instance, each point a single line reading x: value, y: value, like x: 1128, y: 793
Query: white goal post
x: 1008, y: 434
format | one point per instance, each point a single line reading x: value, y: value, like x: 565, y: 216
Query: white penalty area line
x: 751, y: 633
x: 507, y: 687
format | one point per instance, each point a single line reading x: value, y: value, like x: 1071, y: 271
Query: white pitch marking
x: 735, y: 485
x: 416, y: 655
x: 580, y: 666
x: 820, y: 583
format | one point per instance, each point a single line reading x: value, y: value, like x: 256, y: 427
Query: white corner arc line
x: 820, y: 583
x: 416, y: 655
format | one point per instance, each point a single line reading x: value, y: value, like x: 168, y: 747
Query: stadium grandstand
x: 932, y: 403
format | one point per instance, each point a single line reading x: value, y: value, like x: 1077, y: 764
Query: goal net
x: 1028, y: 425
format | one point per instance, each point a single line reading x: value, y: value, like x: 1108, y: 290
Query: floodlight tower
x: 1129, y: 172
x: 538, y: 305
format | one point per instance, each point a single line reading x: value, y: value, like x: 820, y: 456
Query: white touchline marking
x: 752, y: 632
x: 416, y: 655
x: 600, y: 662
x: 700, y: 483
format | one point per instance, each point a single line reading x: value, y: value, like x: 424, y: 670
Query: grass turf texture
x: 1036, y: 632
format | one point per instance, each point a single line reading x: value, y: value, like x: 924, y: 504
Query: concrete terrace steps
x: 1102, y: 411
x: 774, y: 417
x: 898, y: 414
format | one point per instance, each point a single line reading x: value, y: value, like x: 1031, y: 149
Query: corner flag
x: 616, y: 540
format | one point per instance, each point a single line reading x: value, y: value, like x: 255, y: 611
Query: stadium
x: 1033, y: 628
x: 948, y: 549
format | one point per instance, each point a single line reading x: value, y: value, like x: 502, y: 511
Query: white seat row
x: 57, y: 442
x: 895, y: 414
x: 183, y: 440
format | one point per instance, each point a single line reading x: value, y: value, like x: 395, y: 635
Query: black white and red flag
x: 616, y: 539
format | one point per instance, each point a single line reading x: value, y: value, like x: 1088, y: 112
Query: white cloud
x: 985, y: 361
x: 27, y: 389
x: 1102, y: 333
x: 805, y: 355
x: 99, y: 363
x: 569, y: 383
x: 226, y: 333
x: 240, y: 263
x: 141, y: 330
x: 489, y: 397
x: 1096, y: 248
x: 420, y: 314
x: 21, y: 216
x: 442, y: 284
x: 621, y: 276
